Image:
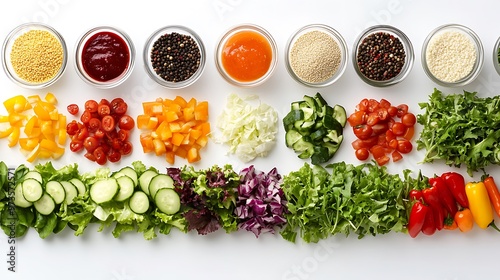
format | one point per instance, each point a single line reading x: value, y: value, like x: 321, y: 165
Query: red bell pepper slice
x: 445, y: 195
x: 431, y: 198
x: 417, y: 218
x: 456, y: 184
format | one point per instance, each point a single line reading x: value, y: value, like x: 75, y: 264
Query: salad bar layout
x: 170, y: 154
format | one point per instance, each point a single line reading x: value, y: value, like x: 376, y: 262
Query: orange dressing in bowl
x: 246, y: 56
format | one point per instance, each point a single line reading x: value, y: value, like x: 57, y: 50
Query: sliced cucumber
x: 314, y: 129
x: 145, y: 179
x: 104, y: 190
x: 340, y: 115
x: 80, y: 186
x: 19, y: 199
x: 70, y: 190
x: 139, y: 202
x: 33, y: 175
x: 127, y: 186
x: 56, y: 191
x: 168, y: 201
x: 32, y: 189
x: 129, y: 172
x: 45, y: 205
x: 160, y: 181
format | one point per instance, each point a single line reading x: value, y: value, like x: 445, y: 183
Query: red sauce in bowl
x: 105, y: 56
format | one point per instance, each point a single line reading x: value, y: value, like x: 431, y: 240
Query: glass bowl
x: 496, y: 56
x: 178, y: 77
x: 330, y: 55
x: 104, y: 45
x: 461, y: 69
x: 25, y: 70
x: 232, y: 43
x: 389, y: 76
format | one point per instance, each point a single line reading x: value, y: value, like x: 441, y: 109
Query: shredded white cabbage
x: 249, y: 131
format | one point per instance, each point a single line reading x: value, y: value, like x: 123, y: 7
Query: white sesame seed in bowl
x: 452, y: 55
x: 316, y: 55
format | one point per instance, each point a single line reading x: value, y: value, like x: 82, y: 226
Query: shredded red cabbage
x: 261, y: 205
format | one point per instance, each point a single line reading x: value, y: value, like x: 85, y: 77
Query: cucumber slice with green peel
x: 139, y: 202
x: 104, y: 190
x: 45, y: 205
x: 129, y: 172
x: 56, y: 191
x: 70, y: 190
x: 340, y: 115
x: 80, y: 186
x: 32, y: 189
x: 126, y: 188
x: 19, y: 199
x: 33, y: 175
x: 168, y: 201
x: 145, y: 179
x: 160, y: 181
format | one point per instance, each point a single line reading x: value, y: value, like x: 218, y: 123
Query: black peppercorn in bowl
x: 34, y: 55
x: 174, y: 56
x: 382, y: 56
x: 316, y: 55
x: 246, y: 55
x: 104, y: 57
x: 452, y: 55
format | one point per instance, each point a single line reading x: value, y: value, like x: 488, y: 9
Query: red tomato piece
x: 72, y: 128
x: 123, y: 134
x: 362, y: 154
x: 402, y: 109
x: 363, y: 105
x: 410, y: 131
x: 372, y: 119
x: 90, y: 156
x: 103, y: 110
x: 384, y: 103
x: 85, y: 117
x: 108, y: 123
x: 404, y: 146
x: 357, y: 118
x: 100, y: 155
x: 373, y: 105
x: 126, y: 148
x: 90, y: 143
x: 398, y: 129
x: 91, y: 106
x: 114, y: 156
x: 396, y: 156
x: 126, y: 122
x: 363, y: 131
x: 75, y: 146
x: 383, y: 160
x: 393, y: 111
x: 94, y: 124
x: 378, y: 151
x: 382, y: 113
x: 380, y: 128
x: 73, y: 109
x: 389, y: 135
x: 368, y: 143
x: 409, y: 119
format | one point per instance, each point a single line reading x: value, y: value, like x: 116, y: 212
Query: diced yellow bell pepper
x: 13, y: 138
x: 51, y: 98
x: 7, y: 132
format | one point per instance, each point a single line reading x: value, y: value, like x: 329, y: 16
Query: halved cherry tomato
x: 357, y: 118
x: 75, y: 146
x: 100, y: 155
x: 385, y: 103
x: 90, y: 156
x: 118, y: 106
x: 372, y: 119
x: 368, y: 143
x: 108, y: 123
x: 393, y: 111
x: 72, y: 128
x: 85, y: 117
x: 91, y: 106
x: 94, y: 124
x: 373, y: 105
x: 126, y: 148
x: 103, y: 110
x: 126, y: 122
x: 363, y: 105
x: 363, y: 131
x: 402, y: 109
x: 379, y: 128
x: 383, y: 160
x: 114, y: 156
x: 382, y: 113
x: 396, y: 156
x: 123, y: 134
x: 73, y: 109
x: 90, y: 143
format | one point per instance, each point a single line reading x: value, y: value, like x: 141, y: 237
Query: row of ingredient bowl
x: 34, y: 55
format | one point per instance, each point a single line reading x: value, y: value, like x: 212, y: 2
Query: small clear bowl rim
x: 479, y: 55
x: 147, y: 51
x: 407, y: 45
x: 242, y: 27
x: 496, y: 63
x: 339, y: 39
x: 78, y: 57
x: 13, y: 35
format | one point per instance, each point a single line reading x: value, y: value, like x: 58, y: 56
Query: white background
x: 97, y: 255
